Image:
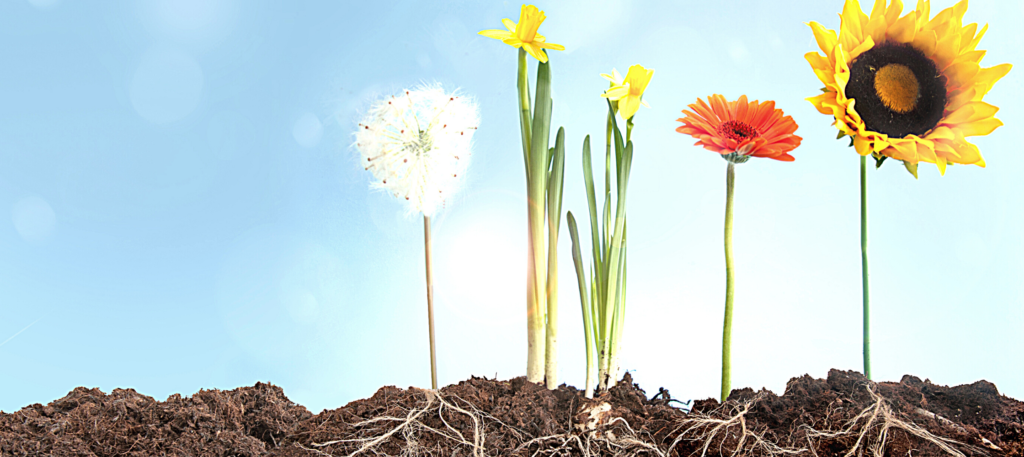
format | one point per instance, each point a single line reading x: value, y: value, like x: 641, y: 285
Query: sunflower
x: 739, y: 130
x: 906, y: 87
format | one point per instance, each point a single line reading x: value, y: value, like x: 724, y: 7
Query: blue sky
x: 181, y: 207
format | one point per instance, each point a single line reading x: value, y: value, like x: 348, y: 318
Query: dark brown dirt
x: 815, y: 417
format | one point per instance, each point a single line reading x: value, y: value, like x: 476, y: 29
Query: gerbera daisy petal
x: 740, y: 129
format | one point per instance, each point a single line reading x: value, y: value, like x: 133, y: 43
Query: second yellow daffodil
x: 628, y: 91
x: 524, y: 34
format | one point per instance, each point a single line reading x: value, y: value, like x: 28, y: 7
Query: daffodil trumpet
x: 905, y: 87
x: 544, y: 173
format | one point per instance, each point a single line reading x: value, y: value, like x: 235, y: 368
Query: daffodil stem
x: 730, y: 177
x: 430, y: 302
x: 864, y: 263
x: 525, y: 117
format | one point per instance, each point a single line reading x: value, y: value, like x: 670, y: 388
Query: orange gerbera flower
x: 739, y: 130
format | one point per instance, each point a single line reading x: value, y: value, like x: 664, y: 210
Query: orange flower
x: 746, y: 129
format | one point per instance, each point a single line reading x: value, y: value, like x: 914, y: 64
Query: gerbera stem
x: 430, y: 302
x: 730, y: 177
x: 864, y: 263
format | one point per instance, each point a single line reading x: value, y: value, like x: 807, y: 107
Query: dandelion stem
x: 730, y: 177
x: 864, y: 263
x: 430, y: 302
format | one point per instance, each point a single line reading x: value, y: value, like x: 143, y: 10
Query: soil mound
x: 815, y: 417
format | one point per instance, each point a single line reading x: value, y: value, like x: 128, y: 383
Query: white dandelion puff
x: 417, y: 144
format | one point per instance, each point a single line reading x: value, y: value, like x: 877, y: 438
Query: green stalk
x: 554, y: 223
x: 864, y: 263
x: 730, y: 177
x: 536, y: 190
x: 615, y: 252
x: 430, y: 302
x: 588, y: 342
x: 525, y: 118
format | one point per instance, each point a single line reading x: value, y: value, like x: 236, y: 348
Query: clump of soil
x: 842, y: 415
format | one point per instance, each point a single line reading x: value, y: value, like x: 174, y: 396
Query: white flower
x: 417, y: 144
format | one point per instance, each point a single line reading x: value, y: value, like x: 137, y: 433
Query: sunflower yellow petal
x: 863, y: 47
x: 923, y: 10
x: 969, y: 154
x: 878, y: 10
x: 987, y: 77
x: 960, y: 74
x: 941, y: 163
x: 946, y: 50
x: 904, y: 30
x: 894, y: 11
x: 971, y: 45
x: 980, y: 128
x: 941, y: 133
x: 925, y: 41
x: 819, y: 102
x: 862, y: 145
x: 827, y: 39
x: 853, y: 19
x: 970, y: 112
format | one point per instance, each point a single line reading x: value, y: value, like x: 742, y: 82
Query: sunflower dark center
x: 737, y: 130
x: 898, y: 90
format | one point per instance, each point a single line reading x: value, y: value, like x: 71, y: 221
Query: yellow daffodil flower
x: 628, y: 91
x: 524, y: 34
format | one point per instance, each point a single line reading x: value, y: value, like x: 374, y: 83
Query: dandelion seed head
x: 411, y: 143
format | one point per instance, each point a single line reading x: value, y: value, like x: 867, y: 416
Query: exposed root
x: 872, y: 426
x: 726, y: 431
x: 707, y: 429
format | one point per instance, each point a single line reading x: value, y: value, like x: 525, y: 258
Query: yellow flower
x: 906, y: 87
x: 524, y: 34
x: 628, y: 91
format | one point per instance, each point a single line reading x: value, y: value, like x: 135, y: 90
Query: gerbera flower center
x: 897, y: 87
x: 737, y: 130
x: 898, y: 90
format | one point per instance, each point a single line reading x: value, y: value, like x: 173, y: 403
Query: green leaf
x: 911, y: 167
x: 556, y: 175
x: 541, y: 122
x: 588, y: 178
x: 841, y: 134
x: 588, y: 336
x: 878, y: 160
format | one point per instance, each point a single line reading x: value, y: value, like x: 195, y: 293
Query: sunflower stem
x: 864, y: 263
x: 730, y: 177
x: 430, y: 302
